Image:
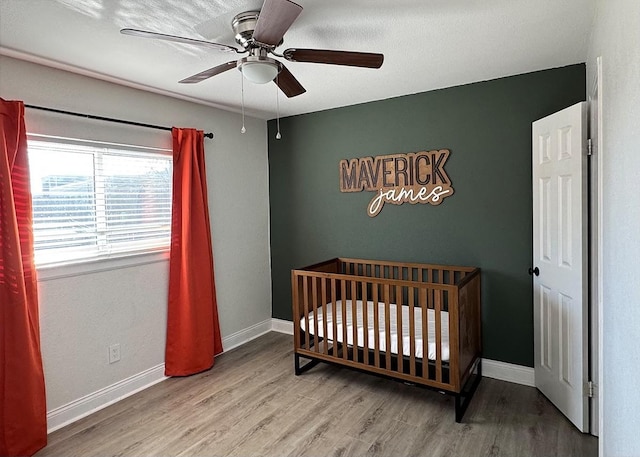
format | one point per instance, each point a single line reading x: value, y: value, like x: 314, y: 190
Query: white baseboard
x: 245, y: 335
x: 82, y: 407
x: 490, y: 368
x: 503, y: 371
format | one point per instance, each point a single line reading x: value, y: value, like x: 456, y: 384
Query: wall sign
x: 417, y: 177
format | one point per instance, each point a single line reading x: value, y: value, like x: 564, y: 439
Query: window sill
x: 89, y: 266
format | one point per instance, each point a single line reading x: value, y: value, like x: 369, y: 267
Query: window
x: 93, y: 200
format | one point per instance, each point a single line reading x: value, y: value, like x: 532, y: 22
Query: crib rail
x: 400, y: 293
x: 436, y: 274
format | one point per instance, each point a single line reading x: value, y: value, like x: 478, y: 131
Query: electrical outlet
x: 114, y: 353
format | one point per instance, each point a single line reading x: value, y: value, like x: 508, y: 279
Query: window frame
x: 103, y: 259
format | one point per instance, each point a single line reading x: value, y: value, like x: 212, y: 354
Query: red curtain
x: 193, y: 330
x: 23, y: 411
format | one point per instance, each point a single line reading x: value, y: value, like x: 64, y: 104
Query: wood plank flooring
x: 251, y: 404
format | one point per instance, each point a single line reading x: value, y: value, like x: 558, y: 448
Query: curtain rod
x: 108, y: 119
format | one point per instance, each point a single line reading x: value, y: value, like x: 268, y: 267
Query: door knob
x: 534, y: 271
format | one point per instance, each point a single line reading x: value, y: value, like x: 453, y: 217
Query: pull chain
x: 242, y: 130
x: 278, y: 136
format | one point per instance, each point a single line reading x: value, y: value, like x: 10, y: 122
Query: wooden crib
x: 415, y: 323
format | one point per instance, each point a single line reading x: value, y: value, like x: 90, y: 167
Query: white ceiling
x: 427, y: 44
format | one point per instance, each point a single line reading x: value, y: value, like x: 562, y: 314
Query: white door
x: 560, y: 256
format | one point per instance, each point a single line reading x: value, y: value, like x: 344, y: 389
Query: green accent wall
x: 486, y: 223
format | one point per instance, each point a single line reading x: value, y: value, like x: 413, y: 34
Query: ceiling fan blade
x: 288, y: 83
x: 178, y: 39
x: 276, y: 16
x: 352, y: 59
x: 209, y: 73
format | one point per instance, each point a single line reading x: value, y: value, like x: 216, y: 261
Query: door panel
x: 559, y: 251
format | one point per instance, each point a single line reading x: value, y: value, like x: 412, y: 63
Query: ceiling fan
x: 260, y: 33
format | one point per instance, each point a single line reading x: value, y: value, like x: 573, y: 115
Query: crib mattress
x: 327, y: 312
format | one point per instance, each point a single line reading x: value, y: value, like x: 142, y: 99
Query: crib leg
x: 463, y: 399
x: 459, y: 412
x: 299, y: 369
x: 296, y: 364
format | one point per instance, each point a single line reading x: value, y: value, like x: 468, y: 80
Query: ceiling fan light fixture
x: 259, y: 70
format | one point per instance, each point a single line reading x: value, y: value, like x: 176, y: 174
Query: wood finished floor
x: 251, y: 404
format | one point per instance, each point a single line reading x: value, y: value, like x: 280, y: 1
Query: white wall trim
x: 15, y: 54
x: 509, y: 372
x: 82, y: 407
x: 91, y: 266
x: 490, y: 368
x: 244, y: 336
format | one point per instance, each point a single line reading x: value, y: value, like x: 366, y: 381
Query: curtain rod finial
x: 209, y: 135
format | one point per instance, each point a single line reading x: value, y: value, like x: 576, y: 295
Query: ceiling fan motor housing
x: 243, y: 26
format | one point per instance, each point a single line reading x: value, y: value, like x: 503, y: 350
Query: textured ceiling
x: 427, y: 44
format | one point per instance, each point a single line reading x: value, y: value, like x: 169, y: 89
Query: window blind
x: 92, y: 200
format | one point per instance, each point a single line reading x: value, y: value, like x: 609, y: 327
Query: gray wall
x: 616, y: 37
x: 486, y: 223
x: 82, y: 314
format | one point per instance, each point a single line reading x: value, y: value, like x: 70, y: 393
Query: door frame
x: 596, y: 199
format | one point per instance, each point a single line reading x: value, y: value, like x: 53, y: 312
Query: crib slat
x: 387, y: 326
x: 376, y: 326
x: 343, y: 294
x: 423, y: 298
x: 399, y: 325
x: 354, y: 319
x: 438, y: 319
x: 365, y: 321
x: 305, y: 291
x: 314, y: 301
x: 323, y: 303
x: 412, y: 334
x: 334, y: 317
